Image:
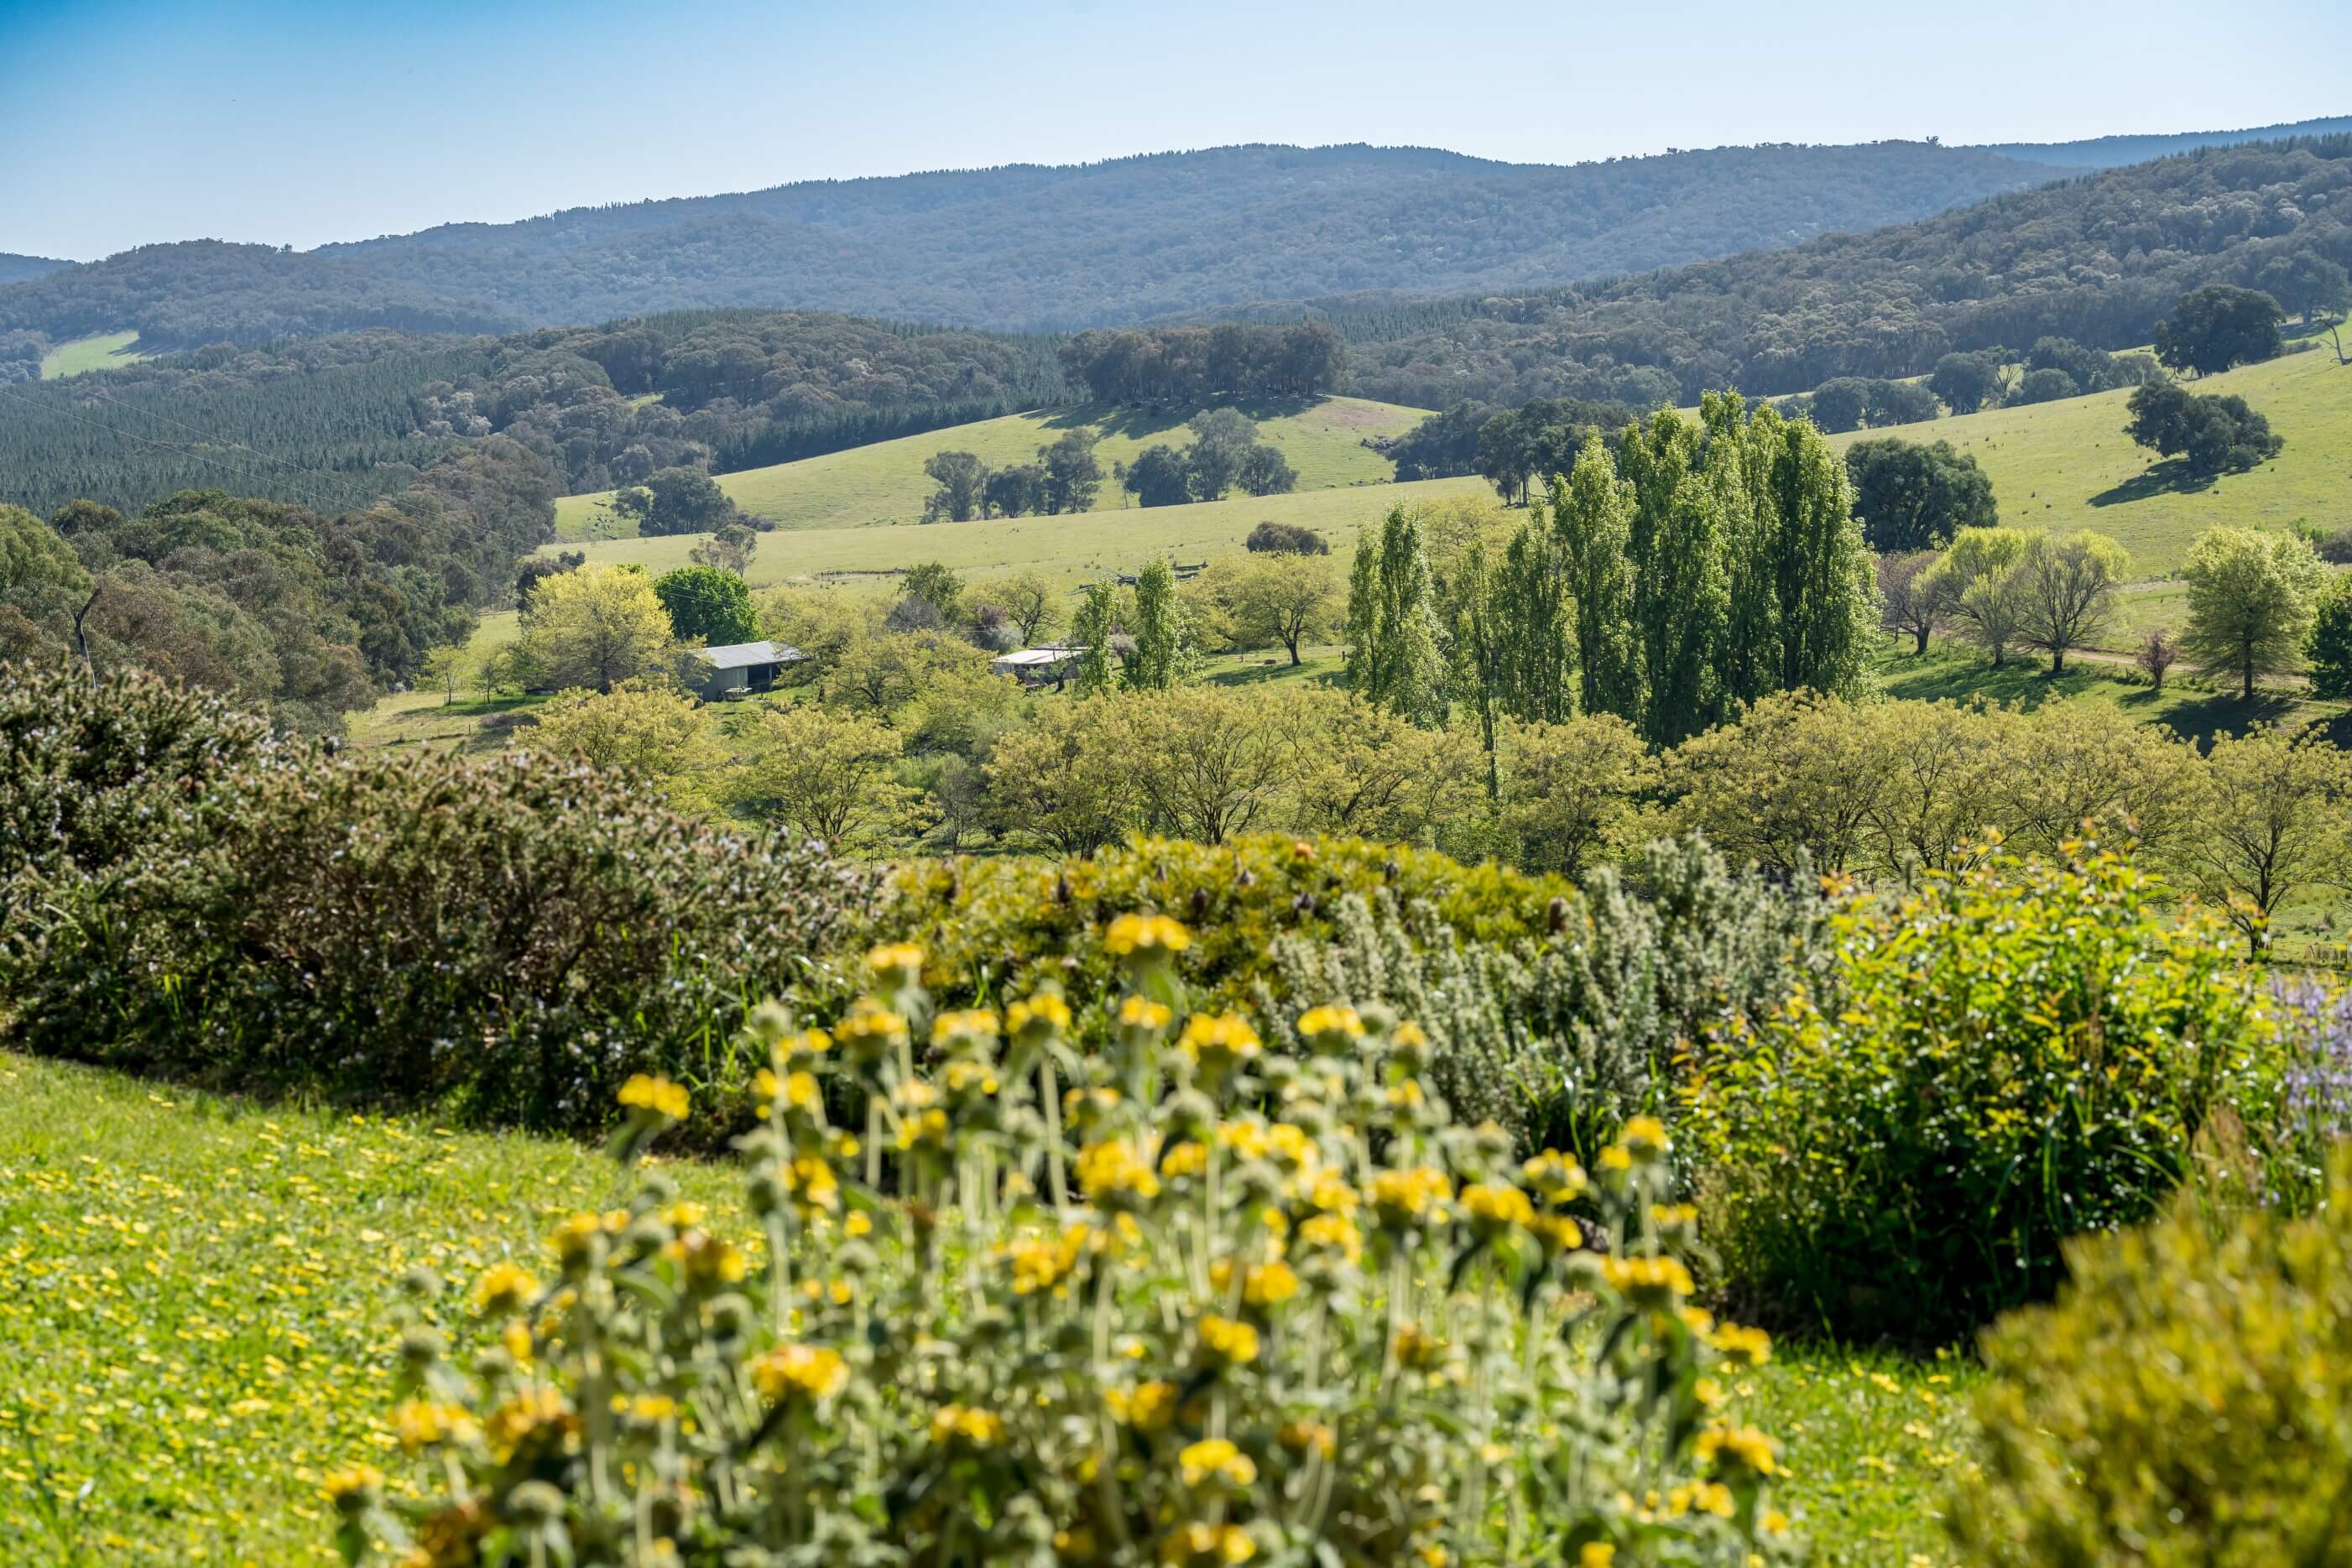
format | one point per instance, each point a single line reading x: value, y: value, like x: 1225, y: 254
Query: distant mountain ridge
x: 2114, y: 152
x: 1030, y: 247
x: 21, y: 268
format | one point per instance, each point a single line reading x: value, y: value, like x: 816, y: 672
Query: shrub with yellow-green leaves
x: 1171, y: 1299
x: 2183, y: 1403
x: 990, y: 922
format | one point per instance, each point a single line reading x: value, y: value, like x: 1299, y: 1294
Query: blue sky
x: 124, y: 122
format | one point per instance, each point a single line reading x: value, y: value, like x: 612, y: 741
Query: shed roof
x: 743, y: 655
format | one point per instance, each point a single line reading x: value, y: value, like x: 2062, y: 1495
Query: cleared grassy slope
x: 884, y: 482
x: 2068, y: 465
x: 104, y: 351
x: 1072, y: 547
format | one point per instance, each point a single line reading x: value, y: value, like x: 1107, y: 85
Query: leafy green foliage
x: 2216, y: 434
x: 2218, y: 325
x: 708, y: 606
x: 2006, y: 1059
x: 2185, y: 1394
x: 1913, y: 495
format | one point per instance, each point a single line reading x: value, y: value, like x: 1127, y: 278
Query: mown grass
x: 103, y: 352
x: 884, y: 482
x: 202, y: 1289
x: 2068, y: 465
x: 1072, y: 547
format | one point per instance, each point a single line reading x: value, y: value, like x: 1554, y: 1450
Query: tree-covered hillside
x: 19, y: 269
x: 2098, y: 260
x: 2113, y: 151
x: 338, y: 420
x: 1035, y: 248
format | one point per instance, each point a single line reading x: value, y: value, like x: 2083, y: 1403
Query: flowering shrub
x: 2017, y: 1055
x: 512, y: 937
x: 988, y: 923
x: 2183, y: 1402
x: 1173, y: 1300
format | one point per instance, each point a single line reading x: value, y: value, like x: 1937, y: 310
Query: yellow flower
x: 1143, y: 1013
x: 1115, y: 1173
x: 1555, y: 1177
x: 1185, y: 1159
x: 1332, y: 1232
x: 1269, y: 1284
x: 1645, y: 1139
x: 504, y: 1288
x: 1330, y: 1026
x: 974, y: 1025
x: 708, y: 1262
x: 420, y: 1424
x: 1406, y: 1198
x: 1494, y: 1209
x: 1218, y: 1457
x: 896, y: 964
x: 1596, y: 1554
x: 1151, y: 1407
x: 1648, y: 1281
x: 960, y: 1425
x: 1200, y: 1545
x: 525, y: 1414
x: 1225, y: 1343
x: 1743, y: 1346
x: 869, y: 1031
x: 1416, y: 1348
x: 1043, y: 1011
x: 798, y: 1089
x: 1146, y: 936
x: 657, y: 1096
x: 811, y: 1371
x: 1733, y: 1450
x: 1039, y: 1265
x: 1218, y: 1044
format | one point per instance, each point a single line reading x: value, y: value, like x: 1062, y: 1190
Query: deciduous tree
x: 2251, y: 598
x: 2068, y: 583
x: 595, y: 627
x: 707, y: 606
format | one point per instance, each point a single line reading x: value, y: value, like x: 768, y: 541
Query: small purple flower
x: 2316, y: 1022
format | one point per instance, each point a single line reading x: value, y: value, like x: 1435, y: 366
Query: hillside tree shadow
x: 2171, y: 477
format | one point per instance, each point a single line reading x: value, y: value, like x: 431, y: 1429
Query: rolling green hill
x: 1074, y: 547
x: 106, y: 351
x: 2068, y: 465
x: 884, y: 482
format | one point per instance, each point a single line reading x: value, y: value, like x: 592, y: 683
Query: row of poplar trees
x: 1694, y: 570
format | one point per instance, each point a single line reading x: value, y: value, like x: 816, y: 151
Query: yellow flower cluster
x: 807, y: 1372
x: 656, y: 1096
x: 1146, y: 936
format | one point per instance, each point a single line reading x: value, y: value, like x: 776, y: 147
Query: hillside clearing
x: 884, y: 483
x: 1072, y: 547
x: 2068, y: 465
x: 103, y: 352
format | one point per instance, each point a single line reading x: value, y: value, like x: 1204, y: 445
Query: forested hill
x: 2114, y: 152
x: 21, y: 268
x: 334, y: 422
x: 1179, y: 233
x: 2099, y: 259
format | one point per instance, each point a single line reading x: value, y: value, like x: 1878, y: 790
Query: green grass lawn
x: 201, y: 1290
x: 104, y: 351
x: 2068, y: 465
x: 884, y: 482
x: 1073, y: 548
x: 427, y: 715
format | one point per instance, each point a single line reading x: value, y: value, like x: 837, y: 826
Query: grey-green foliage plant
x: 1560, y: 1039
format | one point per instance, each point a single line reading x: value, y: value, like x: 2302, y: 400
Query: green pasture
x: 884, y: 483
x: 104, y: 351
x: 2068, y: 465
x: 1074, y: 547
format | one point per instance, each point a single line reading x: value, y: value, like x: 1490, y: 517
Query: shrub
x: 1293, y: 538
x: 991, y: 923
x: 516, y: 934
x: 2182, y: 1404
x: 1562, y: 1040
x: 2019, y: 1054
x: 1205, y: 1337
x: 85, y: 766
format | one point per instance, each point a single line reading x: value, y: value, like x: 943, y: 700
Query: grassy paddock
x: 884, y: 482
x: 199, y: 1330
x: 2068, y: 465
x: 1073, y: 548
x: 103, y: 352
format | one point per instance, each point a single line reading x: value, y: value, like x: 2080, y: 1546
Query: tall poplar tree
x: 1158, y: 630
x: 1828, y: 590
x: 1686, y: 574
x: 1738, y: 465
x: 1402, y: 669
x: 1591, y: 517
x: 1363, y: 614
x: 1096, y: 618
